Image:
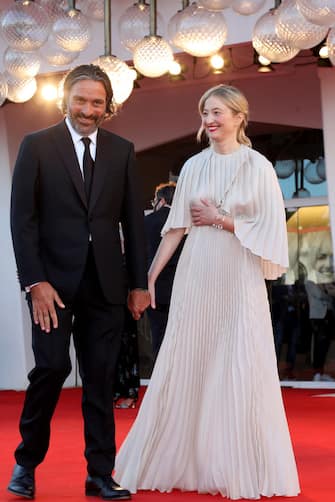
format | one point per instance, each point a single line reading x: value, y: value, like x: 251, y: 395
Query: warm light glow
x: 49, y: 92
x: 264, y: 69
x: 217, y: 62
x: 323, y: 52
x: 264, y: 61
x: 175, y: 68
x: 133, y: 73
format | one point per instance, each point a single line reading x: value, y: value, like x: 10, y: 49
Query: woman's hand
x: 151, y: 288
x: 205, y: 213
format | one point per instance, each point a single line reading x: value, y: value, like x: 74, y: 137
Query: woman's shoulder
x: 258, y: 160
x: 194, y: 161
x: 258, y: 157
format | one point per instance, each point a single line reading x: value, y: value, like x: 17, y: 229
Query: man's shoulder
x: 114, y: 137
x: 47, y: 131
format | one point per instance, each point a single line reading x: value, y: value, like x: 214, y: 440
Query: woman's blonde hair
x: 236, y: 101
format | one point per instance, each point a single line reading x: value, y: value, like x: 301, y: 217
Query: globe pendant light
x: 134, y: 24
x: 119, y: 73
x: 72, y: 29
x: 321, y: 12
x: 21, y: 64
x: 330, y: 43
x: 295, y: 29
x: 153, y: 55
x: 266, y: 41
x: 25, y: 26
x: 53, y: 8
x: 54, y: 55
x: 173, y: 25
x: 93, y: 9
x: 215, y: 5
x: 20, y: 91
x: 201, y: 32
x: 311, y: 174
x: 321, y: 168
x: 3, y: 89
x: 247, y: 7
x: 284, y: 168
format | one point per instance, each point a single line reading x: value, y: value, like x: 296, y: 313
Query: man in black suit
x: 72, y: 185
x: 153, y: 224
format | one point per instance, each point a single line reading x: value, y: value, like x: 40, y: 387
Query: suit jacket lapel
x: 67, y: 152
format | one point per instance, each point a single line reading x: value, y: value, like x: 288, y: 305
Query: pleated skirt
x: 212, y: 419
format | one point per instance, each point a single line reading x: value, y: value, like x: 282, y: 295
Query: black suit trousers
x: 96, y: 326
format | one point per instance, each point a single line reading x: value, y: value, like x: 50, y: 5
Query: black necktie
x: 88, y: 165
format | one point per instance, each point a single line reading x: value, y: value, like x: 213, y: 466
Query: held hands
x: 138, y: 301
x: 205, y: 213
x: 44, y: 297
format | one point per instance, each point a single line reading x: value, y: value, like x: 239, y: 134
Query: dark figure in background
x: 321, y: 299
x: 72, y: 185
x: 289, y: 304
x: 153, y: 224
x: 128, y: 379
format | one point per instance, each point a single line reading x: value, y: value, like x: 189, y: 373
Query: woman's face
x: 219, y: 121
x: 324, y: 266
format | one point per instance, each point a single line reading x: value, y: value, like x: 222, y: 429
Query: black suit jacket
x: 51, y: 221
x: 153, y: 224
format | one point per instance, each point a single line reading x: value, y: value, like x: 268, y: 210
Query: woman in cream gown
x: 212, y: 419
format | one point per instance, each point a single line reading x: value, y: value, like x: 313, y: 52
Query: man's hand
x: 44, y: 297
x: 138, y: 301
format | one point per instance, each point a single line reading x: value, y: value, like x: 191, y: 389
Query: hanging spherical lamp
x: 321, y: 168
x: 3, y: 89
x: 284, y: 168
x: 215, y: 5
x: 321, y: 12
x: 134, y: 24
x: 20, y: 91
x: 295, y: 29
x: 267, y: 43
x: 25, y: 25
x: 120, y: 75
x: 53, y: 8
x: 201, y: 32
x: 311, y: 174
x: 21, y: 65
x: 247, y: 7
x: 72, y: 31
x: 330, y: 43
x: 173, y: 24
x: 54, y: 55
x: 93, y: 9
x: 152, y: 56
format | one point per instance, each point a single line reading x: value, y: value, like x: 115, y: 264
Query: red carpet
x: 61, y: 476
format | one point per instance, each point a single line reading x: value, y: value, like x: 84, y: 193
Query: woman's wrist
x: 219, y: 221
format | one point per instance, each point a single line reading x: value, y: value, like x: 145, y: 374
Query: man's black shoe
x: 22, y: 482
x: 106, y: 488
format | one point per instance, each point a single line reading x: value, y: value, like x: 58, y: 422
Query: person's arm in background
x: 165, y: 250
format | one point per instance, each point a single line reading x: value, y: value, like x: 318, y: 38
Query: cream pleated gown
x: 212, y: 419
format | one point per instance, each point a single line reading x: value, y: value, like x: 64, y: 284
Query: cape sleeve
x: 264, y: 231
x: 180, y: 214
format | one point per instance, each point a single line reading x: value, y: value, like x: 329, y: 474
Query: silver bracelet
x: 220, y: 218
